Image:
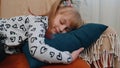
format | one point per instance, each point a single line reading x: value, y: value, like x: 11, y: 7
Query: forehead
x: 71, y: 21
x: 68, y: 20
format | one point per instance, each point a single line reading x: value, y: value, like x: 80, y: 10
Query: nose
x: 62, y: 28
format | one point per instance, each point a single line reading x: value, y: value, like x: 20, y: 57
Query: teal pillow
x: 82, y: 37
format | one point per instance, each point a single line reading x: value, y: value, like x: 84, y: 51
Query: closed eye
x: 62, y: 21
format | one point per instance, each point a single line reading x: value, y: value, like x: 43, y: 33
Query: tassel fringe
x: 104, y: 55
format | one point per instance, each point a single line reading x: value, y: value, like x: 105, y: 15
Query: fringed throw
x: 105, y: 49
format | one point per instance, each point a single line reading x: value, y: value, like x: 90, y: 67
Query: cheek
x: 56, y: 21
x: 51, y: 25
x: 54, y: 24
x: 49, y: 31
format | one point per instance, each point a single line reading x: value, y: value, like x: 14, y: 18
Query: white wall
x: 101, y: 11
x: 109, y: 13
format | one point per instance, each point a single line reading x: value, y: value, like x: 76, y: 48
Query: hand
x: 76, y: 53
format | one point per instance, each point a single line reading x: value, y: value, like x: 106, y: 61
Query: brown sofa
x: 20, y: 61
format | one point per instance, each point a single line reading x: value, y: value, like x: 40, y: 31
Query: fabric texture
x: 82, y: 37
x: 105, y: 49
x: 2, y: 52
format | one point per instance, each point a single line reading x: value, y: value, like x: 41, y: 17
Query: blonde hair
x: 75, y: 17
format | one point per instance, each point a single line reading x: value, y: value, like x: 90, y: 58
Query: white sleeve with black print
x: 19, y: 28
x: 38, y: 48
x: 15, y: 30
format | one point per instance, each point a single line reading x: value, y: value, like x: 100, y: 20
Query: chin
x: 53, y: 33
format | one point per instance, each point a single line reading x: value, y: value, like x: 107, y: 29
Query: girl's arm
x: 19, y: 28
x: 38, y: 48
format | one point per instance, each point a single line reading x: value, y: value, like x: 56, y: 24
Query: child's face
x: 60, y: 24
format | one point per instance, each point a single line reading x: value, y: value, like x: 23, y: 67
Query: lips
x: 56, y: 30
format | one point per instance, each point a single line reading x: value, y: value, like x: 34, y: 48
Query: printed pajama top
x: 33, y: 28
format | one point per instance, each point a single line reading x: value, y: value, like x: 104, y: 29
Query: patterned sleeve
x: 15, y: 30
x: 38, y: 48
